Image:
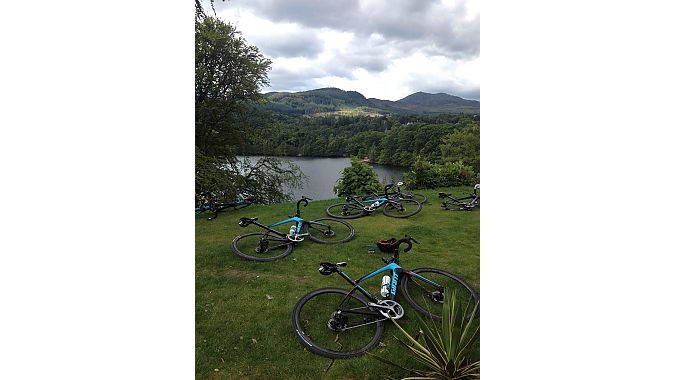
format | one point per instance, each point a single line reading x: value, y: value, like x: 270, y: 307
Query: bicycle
x: 420, y: 198
x: 356, y: 207
x: 341, y: 324
x: 465, y: 203
x: 272, y: 244
x: 207, y: 202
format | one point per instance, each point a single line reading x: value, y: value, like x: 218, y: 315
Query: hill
x: 325, y: 101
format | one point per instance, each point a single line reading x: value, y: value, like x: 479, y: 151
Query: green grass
x: 240, y: 333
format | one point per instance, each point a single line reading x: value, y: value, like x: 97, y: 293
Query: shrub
x: 425, y: 175
x: 358, y: 178
x: 444, y: 352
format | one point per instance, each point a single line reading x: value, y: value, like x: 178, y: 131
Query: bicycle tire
x: 285, y: 247
x: 308, y: 336
x: 420, y: 198
x: 345, y: 211
x: 392, y: 210
x: 432, y: 307
x: 239, y: 207
x: 322, y: 234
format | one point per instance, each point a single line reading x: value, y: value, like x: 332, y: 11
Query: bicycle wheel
x: 345, y: 211
x: 241, y: 206
x: 402, y: 208
x: 329, y: 231
x: 420, y: 198
x: 428, y: 298
x: 327, y: 322
x: 259, y: 246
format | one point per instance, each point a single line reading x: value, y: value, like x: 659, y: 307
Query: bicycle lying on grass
x: 456, y: 204
x: 356, y: 207
x: 272, y: 244
x: 207, y: 202
x: 340, y: 324
x: 398, y: 194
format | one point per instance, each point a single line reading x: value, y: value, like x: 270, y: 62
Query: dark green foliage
x: 228, y: 76
x: 359, y: 178
x: 393, y: 140
x: 425, y: 175
x: 462, y: 145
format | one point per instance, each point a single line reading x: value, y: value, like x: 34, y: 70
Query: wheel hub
x: 437, y: 296
x: 337, y: 322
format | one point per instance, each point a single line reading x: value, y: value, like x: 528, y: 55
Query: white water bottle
x: 385, y: 286
x: 376, y: 203
x: 292, y: 231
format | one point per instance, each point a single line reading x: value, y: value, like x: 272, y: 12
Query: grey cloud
x: 426, y: 23
x: 297, y: 44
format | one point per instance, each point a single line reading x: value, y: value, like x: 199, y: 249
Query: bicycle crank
x: 389, y: 308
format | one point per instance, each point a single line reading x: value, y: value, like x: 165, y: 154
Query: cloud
x: 385, y: 49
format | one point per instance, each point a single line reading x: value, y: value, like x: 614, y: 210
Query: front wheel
x: 402, y: 208
x: 425, y: 290
x: 336, y: 323
x: 260, y: 246
x: 329, y: 231
x: 345, y: 211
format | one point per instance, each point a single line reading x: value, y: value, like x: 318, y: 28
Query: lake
x: 322, y: 174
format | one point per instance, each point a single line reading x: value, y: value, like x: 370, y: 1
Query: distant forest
x: 393, y: 139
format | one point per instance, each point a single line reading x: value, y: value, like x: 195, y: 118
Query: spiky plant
x: 444, y: 353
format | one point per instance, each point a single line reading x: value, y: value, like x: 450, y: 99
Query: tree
x: 228, y: 76
x: 358, y: 178
x: 462, y: 145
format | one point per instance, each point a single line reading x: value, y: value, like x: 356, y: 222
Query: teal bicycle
x: 272, y: 244
x: 341, y: 324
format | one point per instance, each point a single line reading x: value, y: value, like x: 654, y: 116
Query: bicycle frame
x: 395, y: 271
x: 299, y: 222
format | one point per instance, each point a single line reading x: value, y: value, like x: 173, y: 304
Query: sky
x: 385, y: 49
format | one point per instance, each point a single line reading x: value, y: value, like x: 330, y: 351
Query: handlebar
x: 305, y: 202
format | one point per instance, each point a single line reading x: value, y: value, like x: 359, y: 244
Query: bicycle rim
x: 428, y: 298
x: 259, y: 246
x: 315, y: 322
x: 345, y: 211
x: 329, y: 231
x: 403, y: 208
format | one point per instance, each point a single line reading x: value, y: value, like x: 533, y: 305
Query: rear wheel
x: 428, y: 298
x: 260, y: 246
x: 333, y: 323
x: 401, y: 208
x: 345, y: 211
x: 420, y: 198
x: 329, y: 231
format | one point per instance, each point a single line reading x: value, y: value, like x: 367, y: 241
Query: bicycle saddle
x: 243, y: 222
x: 387, y: 245
x: 328, y: 268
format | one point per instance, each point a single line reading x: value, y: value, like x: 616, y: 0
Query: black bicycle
x: 398, y: 194
x: 207, y: 201
x: 272, y: 244
x: 355, y: 207
x: 457, y: 204
x: 341, y: 324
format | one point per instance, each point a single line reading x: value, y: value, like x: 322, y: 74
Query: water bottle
x: 376, y: 203
x: 385, y: 286
x: 292, y: 231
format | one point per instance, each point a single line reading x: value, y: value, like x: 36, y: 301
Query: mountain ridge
x: 333, y: 100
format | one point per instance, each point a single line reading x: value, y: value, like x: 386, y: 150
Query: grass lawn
x: 241, y: 333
